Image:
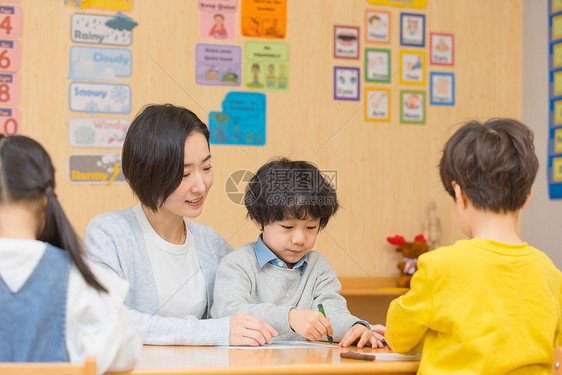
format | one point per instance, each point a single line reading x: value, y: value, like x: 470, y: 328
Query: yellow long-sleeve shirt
x: 480, y: 307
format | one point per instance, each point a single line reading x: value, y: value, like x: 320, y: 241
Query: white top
x: 177, y: 296
x: 97, y: 323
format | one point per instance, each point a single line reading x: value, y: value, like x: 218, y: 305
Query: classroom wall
x: 386, y: 172
x: 542, y: 217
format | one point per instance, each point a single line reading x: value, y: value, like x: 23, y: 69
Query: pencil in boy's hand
x: 321, y: 309
x: 352, y: 354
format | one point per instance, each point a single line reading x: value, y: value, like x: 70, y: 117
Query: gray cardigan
x: 115, y: 240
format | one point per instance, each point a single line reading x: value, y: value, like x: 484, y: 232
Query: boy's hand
x: 363, y: 336
x: 248, y: 330
x: 379, y: 330
x: 310, y: 324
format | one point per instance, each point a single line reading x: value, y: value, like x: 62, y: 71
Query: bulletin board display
x: 385, y: 171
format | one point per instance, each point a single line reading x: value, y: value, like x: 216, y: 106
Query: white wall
x: 541, y: 220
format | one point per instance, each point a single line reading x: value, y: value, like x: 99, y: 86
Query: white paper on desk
x: 285, y: 345
x: 395, y: 356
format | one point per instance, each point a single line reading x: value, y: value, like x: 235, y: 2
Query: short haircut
x: 283, y: 189
x: 153, y: 151
x: 494, y: 163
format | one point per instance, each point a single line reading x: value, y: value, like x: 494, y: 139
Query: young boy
x: 279, y: 278
x: 490, y: 304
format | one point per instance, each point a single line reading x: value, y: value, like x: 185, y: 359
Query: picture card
x: 442, y: 47
x: 264, y: 18
x: 346, y: 83
x: 442, y: 88
x: 412, y: 107
x: 217, y: 19
x: 346, y: 42
x: 124, y: 5
x: 412, y: 29
x: 266, y: 65
x: 93, y: 97
x: 101, y: 29
x: 100, y: 63
x: 218, y: 64
x: 412, y: 67
x: 377, y: 106
x: 97, y: 132
x: 377, y: 65
x: 377, y: 26
x: 95, y: 169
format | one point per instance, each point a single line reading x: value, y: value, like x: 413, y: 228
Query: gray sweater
x: 269, y: 292
x: 115, y: 240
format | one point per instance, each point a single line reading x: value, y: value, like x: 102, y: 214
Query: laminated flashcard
x: 346, y: 83
x: 10, y: 22
x: 377, y: 106
x: 93, y: 97
x: 97, y: 132
x: 264, y: 18
x: 217, y: 19
x: 412, y: 67
x: 102, y: 29
x: 377, y: 26
x: 100, y: 63
x: 9, y: 89
x: 442, y: 49
x: 10, y: 55
x: 556, y: 83
x: 400, y: 3
x: 377, y: 65
x: 412, y: 107
x: 119, y: 5
x: 95, y: 169
x: 412, y: 29
x: 555, y: 176
x: 556, y: 108
x: 556, y: 6
x: 10, y: 121
x: 556, y: 28
x: 556, y: 55
x: 441, y: 88
x: 266, y: 65
x: 557, y: 141
x: 11, y: 1
x: 242, y: 120
x: 218, y: 64
x: 346, y: 42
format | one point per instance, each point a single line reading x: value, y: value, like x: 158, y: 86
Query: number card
x: 10, y: 55
x: 10, y: 22
x: 412, y: 107
x: 9, y: 89
x: 10, y: 120
x: 377, y: 107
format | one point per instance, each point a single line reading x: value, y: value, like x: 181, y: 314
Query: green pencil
x: 321, y: 309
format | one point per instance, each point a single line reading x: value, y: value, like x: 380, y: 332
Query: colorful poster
x: 218, y: 64
x: 557, y: 104
x: 377, y: 65
x: 556, y: 55
x: 10, y: 55
x: 377, y: 26
x: 442, y: 47
x: 412, y: 107
x: 100, y: 63
x: 412, y: 29
x: 124, y: 5
x: 100, y: 29
x: 442, y: 88
x: 266, y: 65
x: 412, y: 67
x: 557, y: 140
x: 10, y: 22
x: 95, y: 169
x: 99, y: 97
x: 97, y: 132
x: 555, y: 169
x: 10, y: 121
x: 346, y: 83
x: 264, y: 18
x: 400, y: 3
x: 242, y: 120
x: 377, y: 106
x: 217, y: 19
x: 9, y: 89
x: 346, y: 42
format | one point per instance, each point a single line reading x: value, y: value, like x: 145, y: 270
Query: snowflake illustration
x: 120, y: 94
x: 91, y: 107
x: 108, y: 108
x: 84, y: 135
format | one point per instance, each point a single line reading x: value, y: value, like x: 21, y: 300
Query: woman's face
x: 187, y: 200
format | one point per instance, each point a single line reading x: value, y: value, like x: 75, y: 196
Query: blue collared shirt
x: 265, y: 255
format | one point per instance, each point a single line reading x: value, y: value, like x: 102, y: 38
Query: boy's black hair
x: 494, y: 163
x: 283, y: 189
x: 153, y: 151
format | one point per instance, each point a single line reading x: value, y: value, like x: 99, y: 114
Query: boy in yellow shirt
x: 489, y: 304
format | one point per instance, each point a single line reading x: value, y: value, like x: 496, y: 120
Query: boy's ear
x: 460, y: 196
x: 528, y: 197
x: 257, y: 224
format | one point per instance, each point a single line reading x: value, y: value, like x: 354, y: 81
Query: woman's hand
x: 251, y: 331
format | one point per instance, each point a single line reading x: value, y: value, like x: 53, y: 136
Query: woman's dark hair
x: 283, y: 189
x: 153, y: 151
x: 494, y: 163
x: 26, y: 175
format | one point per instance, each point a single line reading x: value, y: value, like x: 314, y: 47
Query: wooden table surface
x: 295, y: 361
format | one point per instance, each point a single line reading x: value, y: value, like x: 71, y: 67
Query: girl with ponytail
x: 55, y: 306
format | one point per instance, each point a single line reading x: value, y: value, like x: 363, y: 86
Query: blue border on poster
x: 554, y: 187
x: 431, y: 74
x: 423, y: 31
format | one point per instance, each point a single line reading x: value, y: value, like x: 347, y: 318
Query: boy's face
x: 291, y: 239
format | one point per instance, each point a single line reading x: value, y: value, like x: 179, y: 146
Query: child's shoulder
x: 241, y: 254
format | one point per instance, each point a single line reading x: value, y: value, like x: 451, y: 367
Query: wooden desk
x: 368, y: 298
x: 175, y: 360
